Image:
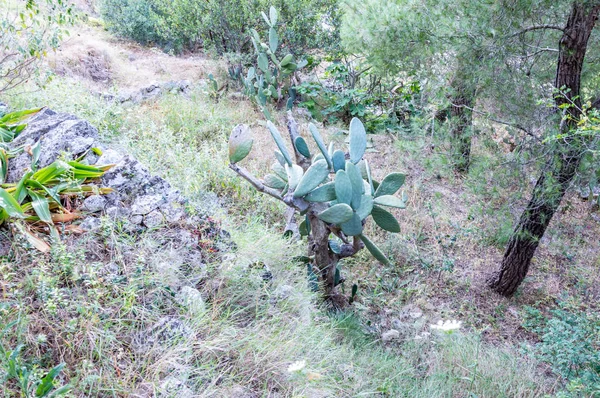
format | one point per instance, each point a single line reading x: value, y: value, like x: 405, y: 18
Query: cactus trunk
x: 325, y: 259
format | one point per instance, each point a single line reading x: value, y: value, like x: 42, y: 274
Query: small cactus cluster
x: 332, y: 189
x: 270, y: 80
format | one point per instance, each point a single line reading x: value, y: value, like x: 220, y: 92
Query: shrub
x: 570, y: 344
x: 222, y: 25
x: 27, y: 32
x: 352, y: 89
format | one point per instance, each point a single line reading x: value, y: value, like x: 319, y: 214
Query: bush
x: 221, y: 25
x: 27, y: 32
x: 570, y: 344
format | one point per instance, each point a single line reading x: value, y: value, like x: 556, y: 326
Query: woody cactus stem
x: 332, y: 190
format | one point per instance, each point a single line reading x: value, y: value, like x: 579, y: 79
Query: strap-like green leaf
x: 10, y: 204
x: 40, y: 206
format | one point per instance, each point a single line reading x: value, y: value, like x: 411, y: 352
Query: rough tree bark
x: 564, y: 161
x: 461, y: 119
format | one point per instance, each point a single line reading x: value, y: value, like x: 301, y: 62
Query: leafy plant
x: 271, y: 79
x: 28, y: 30
x: 25, y: 377
x: 352, y: 89
x: 37, y: 198
x: 334, y: 192
x: 222, y: 26
x: 570, y: 344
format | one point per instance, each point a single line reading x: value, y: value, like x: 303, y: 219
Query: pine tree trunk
x: 565, y: 159
x: 461, y: 119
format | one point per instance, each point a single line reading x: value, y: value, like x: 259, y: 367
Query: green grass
x: 249, y: 335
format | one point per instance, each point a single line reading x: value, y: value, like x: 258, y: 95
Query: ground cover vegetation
x: 466, y: 131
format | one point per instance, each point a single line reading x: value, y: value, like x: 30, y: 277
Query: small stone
x: 283, y: 292
x: 136, y: 219
x: 191, y: 299
x: 175, y: 387
x: 109, y: 156
x: 154, y: 219
x: 94, y: 203
x: 91, y: 224
x: 390, y: 335
x: 147, y: 203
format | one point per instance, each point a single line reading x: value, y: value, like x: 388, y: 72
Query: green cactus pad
x: 353, y: 227
x: 273, y: 15
x: 240, y: 143
x: 366, y: 206
x: 294, y: 174
x: 390, y: 184
x: 263, y: 62
x: 273, y: 39
x: 280, y: 158
x: 385, y: 220
x: 280, y: 171
x: 317, y: 137
x: 343, y: 187
x: 357, y: 184
x: 286, y: 60
x: 313, y: 177
x: 272, y: 181
x: 324, y: 193
x: 302, y: 147
x: 358, y: 140
x: 337, y: 214
x: 374, y: 250
x: 390, y: 201
x: 339, y: 160
x: 279, y: 141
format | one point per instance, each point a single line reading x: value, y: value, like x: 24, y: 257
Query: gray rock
x: 191, y: 299
x: 110, y: 156
x: 94, y: 203
x: 154, y: 219
x: 174, y: 387
x: 146, y: 204
x: 390, y: 335
x: 91, y: 224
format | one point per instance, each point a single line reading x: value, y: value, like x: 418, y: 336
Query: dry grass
x: 102, y: 61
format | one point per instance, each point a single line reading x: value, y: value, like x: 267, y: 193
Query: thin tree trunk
x: 564, y: 162
x: 461, y: 119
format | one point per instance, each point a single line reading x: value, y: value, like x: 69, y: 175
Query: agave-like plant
x: 39, y: 195
x: 333, y: 190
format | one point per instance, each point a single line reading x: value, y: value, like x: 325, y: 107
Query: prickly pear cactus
x: 332, y: 190
x: 269, y: 81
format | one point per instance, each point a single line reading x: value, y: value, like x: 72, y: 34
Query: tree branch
x: 537, y: 27
x: 256, y: 183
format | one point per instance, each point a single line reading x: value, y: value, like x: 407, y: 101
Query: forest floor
x: 452, y: 234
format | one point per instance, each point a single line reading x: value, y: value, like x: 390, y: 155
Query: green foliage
x: 37, y: 195
x: 353, y: 89
x: 28, y: 381
x: 28, y: 31
x: 570, y: 344
x: 223, y: 25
